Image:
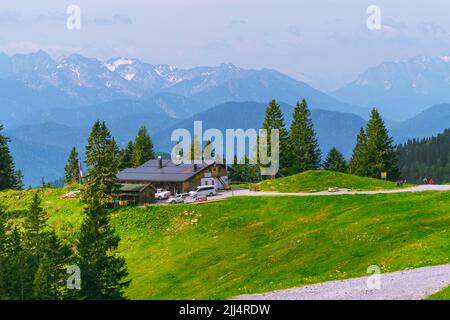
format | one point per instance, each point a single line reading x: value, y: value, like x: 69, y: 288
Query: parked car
x: 162, y: 194
x: 178, y: 198
x: 203, y: 191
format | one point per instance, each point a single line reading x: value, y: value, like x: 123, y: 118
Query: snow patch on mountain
x: 117, y: 63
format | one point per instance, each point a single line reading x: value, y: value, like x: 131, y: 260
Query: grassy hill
x: 256, y: 244
x: 441, y: 295
x: 321, y: 180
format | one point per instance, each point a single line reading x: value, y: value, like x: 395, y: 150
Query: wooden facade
x: 135, y: 194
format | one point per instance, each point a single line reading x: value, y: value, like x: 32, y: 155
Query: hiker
x: 431, y: 181
x: 425, y: 181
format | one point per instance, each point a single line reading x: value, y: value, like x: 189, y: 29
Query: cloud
x: 61, y: 16
x: 53, y: 16
x: 117, y: 19
x: 31, y: 46
x: 10, y: 17
x: 237, y: 22
x: 295, y: 31
x: 432, y: 30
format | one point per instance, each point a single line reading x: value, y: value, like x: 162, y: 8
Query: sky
x: 326, y: 43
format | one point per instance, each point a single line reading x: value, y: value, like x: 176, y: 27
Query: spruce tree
x: 7, y: 173
x: 303, y: 147
x: 102, y: 163
x: 103, y: 273
x: 72, y: 169
x: 274, y: 120
x: 50, y: 275
x: 381, y: 151
x: 126, y: 156
x: 335, y: 161
x: 3, y: 256
x: 143, y: 148
x: 34, y: 227
x: 358, y: 164
x: 46, y: 253
x: 18, y: 180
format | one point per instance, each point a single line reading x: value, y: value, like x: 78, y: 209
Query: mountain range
x: 401, y: 89
x: 48, y: 105
x: 34, y: 84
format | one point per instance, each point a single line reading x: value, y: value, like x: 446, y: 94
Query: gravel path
x: 246, y: 192
x: 403, y: 285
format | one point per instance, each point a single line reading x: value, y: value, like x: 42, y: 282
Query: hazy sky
x: 325, y: 42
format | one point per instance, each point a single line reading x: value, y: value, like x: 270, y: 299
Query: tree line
x: 426, y: 158
x: 299, y: 150
x: 34, y: 260
x: 10, y: 178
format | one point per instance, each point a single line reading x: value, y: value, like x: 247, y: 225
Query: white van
x: 203, y: 191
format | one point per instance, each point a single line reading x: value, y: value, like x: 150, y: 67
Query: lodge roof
x: 170, y: 172
x: 128, y: 187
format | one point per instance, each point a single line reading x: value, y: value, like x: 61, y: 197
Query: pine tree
x: 19, y: 272
x: 126, y: 156
x: 358, y: 163
x: 7, y: 173
x: 303, y: 147
x: 103, y: 273
x: 18, y: 180
x: 335, y: 161
x: 143, y: 148
x: 50, y: 275
x: 3, y: 256
x: 274, y: 120
x: 243, y: 171
x: 33, y: 227
x: 381, y: 151
x: 102, y: 163
x: 72, y: 169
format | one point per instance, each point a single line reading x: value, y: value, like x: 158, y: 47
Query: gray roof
x: 170, y: 172
x: 129, y: 187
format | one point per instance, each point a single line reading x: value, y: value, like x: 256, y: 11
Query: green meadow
x: 257, y: 244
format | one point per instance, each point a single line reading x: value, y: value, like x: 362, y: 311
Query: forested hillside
x: 426, y: 158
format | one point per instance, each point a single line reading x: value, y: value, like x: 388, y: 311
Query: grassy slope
x: 321, y: 180
x: 257, y: 244
x: 442, y: 295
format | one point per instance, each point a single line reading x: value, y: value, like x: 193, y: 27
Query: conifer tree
x: 274, y: 119
x: 46, y: 253
x: 34, y: 227
x: 358, y: 164
x: 18, y: 180
x: 303, y: 147
x: 335, y: 161
x: 126, y: 156
x: 103, y: 273
x: 7, y: 173
x: 143, y: 148
x: 102, y: 163
x: 381, y: 151
x: 72, y: 169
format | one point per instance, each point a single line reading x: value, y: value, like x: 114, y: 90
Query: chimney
x: 160, y: 162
